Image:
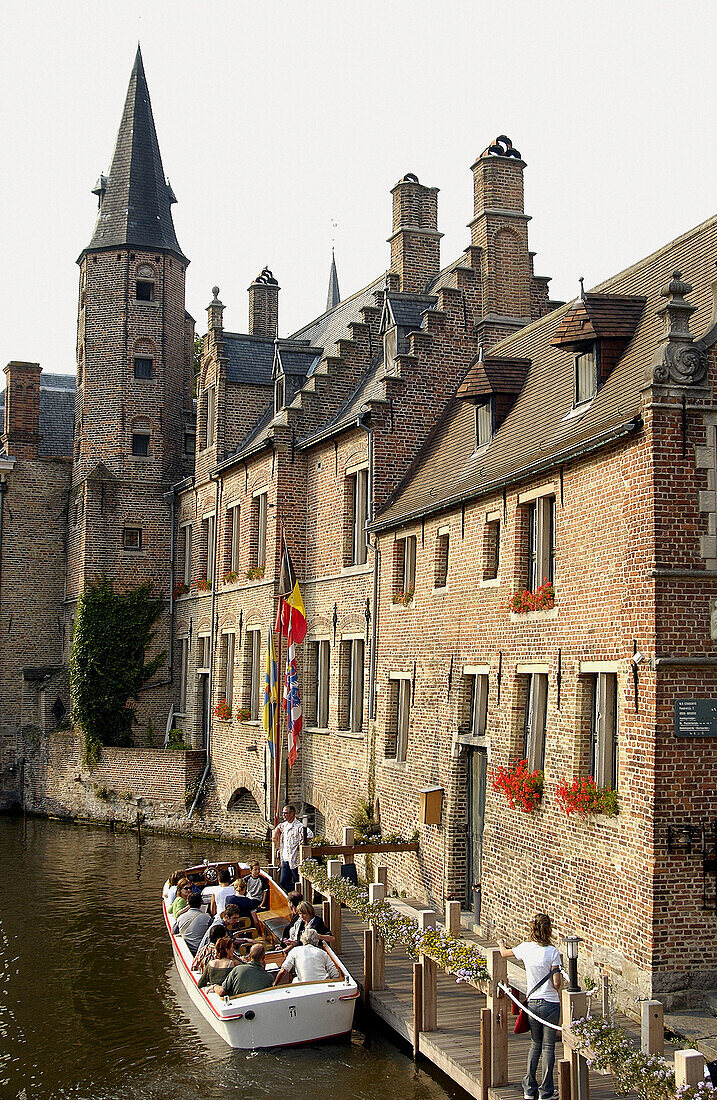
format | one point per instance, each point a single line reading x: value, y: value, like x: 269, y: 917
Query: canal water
x: 91, y: 1007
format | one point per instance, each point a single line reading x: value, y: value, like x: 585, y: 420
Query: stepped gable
x: 135, y: 199
x: 57, y: 415
x: 543, y: 425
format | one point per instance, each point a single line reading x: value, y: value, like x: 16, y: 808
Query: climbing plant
x: 108, y: 667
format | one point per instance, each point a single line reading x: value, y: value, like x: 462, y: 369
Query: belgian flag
x: 290, y: 616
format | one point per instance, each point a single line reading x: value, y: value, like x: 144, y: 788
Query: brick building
x: 429, y: 445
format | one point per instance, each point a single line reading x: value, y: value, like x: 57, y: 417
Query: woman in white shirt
x: 543, y: 980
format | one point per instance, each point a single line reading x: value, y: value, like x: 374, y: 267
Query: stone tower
x: 134, y: 432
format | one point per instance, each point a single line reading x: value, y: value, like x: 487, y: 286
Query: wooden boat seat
x: 273, y: 923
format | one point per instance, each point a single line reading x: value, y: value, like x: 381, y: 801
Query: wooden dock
x: 454, y: 1047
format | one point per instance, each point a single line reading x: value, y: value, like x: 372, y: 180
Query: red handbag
x: 521, y: 1022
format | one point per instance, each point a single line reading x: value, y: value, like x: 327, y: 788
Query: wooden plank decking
x: 455, y: 1047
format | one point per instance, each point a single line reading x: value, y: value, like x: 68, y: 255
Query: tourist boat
x: 287, y: 1015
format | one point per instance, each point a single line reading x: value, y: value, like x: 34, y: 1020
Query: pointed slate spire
x: 334, y: 296
x: 136, y: 199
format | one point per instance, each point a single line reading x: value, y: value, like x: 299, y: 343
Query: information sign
x: 695, y: 717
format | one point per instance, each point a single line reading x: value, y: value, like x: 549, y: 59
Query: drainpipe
x: 170, y: 497
x: 360, y: 423
x: 210, y: 686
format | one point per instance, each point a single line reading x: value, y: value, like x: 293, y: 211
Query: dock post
x: 498, y: 1005
x: 333, y: 870
x: 367, y: 964
x: 453, y: 918
x: 574, y: 1007
x: 564, y: 1079
x: 485, y: 1052
x: 417, y: 1007
x: 605, y: 995
x: 306, y: 886
x: 426, y: 920
x: 377, y: 892
x: 652, y: 1030
x: 382, y: 874
x: 689, y: 1068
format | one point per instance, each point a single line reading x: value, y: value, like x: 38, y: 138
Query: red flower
x: 523, y: 789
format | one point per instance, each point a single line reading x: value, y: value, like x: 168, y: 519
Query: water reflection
x: 92, y: 1008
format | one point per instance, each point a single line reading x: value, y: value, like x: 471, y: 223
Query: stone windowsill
x: 402, y: 606
x: 320, y: 731
x: 533, y: 616
x: 441, y: 590
x: 356, y: 570
x: 350, y: 735
x: 490, y: 582
x: 394, y: 765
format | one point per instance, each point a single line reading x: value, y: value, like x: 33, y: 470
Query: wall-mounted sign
x: 695, y: 717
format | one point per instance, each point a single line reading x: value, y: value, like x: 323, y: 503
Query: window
x: 279, y: 394
x: 258, y: 533
x: 209, y: 531
x: 145, y: 290
x: 211, y: 395
x: 190, y: 443
x: 541, y: 541
x: 477, y: 703
x: 183, y: 673
x: 228, y: 640
x: 352, y: 678
x: 491, y: 549
x: 399, y: 711
x: 131, y: 538
x: 142, y: 367
x: 484, y: 422
x: 322, y: 665
x: 232, y: 539
x: 586, y: 374
x: 603, y: 729
x: 140, y: 444
x: 405, y: 564
x: 357, y: 493
x: 204, y: 656
x: 185, y: 553
x: 255, y: 674
x: 536, y: 706
x: 441, y: 561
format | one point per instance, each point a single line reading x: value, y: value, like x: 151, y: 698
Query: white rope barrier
x: 506, y: 989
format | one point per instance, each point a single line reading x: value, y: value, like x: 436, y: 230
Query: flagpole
x: 277, y: 713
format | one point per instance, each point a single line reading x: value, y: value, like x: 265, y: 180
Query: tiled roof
x: 539, y: 427
x: 494, y: 375
x: 600, y: 316
x: 57, y: 414
x: 250, y: 358
x: 136, y: 198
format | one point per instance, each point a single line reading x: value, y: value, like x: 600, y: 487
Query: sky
x: 283, y: 124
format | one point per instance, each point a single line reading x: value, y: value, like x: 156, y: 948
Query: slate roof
x: 407, y: 310
x: 543, y: 427
x: 297, y: 361
x: 57, y: 414
x: 136, y: 199
x: 250, y: 358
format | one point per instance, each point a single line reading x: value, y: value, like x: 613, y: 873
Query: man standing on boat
x: 289, y: 835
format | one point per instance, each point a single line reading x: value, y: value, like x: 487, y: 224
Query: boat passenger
x: 216, y: 969
x: 238, y: 898
x: 229, y: 919
x: 290, y: 935
x: 289, y: 835
x: 308, y: 915
x: 172, y: 882
x: 248, y: 977
x: 257, y: 886
x: 207, y: 953
x: 217, y: 896
x: 308, y: 962
x: 192, y: 923
x: 184, y: 891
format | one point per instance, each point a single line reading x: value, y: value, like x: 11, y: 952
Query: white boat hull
x: 287, y: 1015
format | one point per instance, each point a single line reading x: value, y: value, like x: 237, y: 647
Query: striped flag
x: 291, y: 614
x: 268, y: 718
x: 292, y: 702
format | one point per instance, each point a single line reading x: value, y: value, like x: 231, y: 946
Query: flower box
x: 523, y: 789
x: 243, y: 715
x: 403, y: 598
x: 541, y: 600
x: 231, y: 577
x: 202, y: 584
x: 256, y: 573
x: 223, y: 710
x: 583, y: 796
x: 180, y: 589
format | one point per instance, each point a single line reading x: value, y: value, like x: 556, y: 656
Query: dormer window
x: 279, y: 394
x: 586, y: 373
x: 484, y: 422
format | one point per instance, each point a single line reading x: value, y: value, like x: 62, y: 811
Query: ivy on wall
x: 108, y: 667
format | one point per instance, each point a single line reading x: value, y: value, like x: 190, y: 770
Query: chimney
x: 500, y: 229
x: 264, y: 306
x: 22, y: 408
x: 415, y: 240
x: 215, y: 312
